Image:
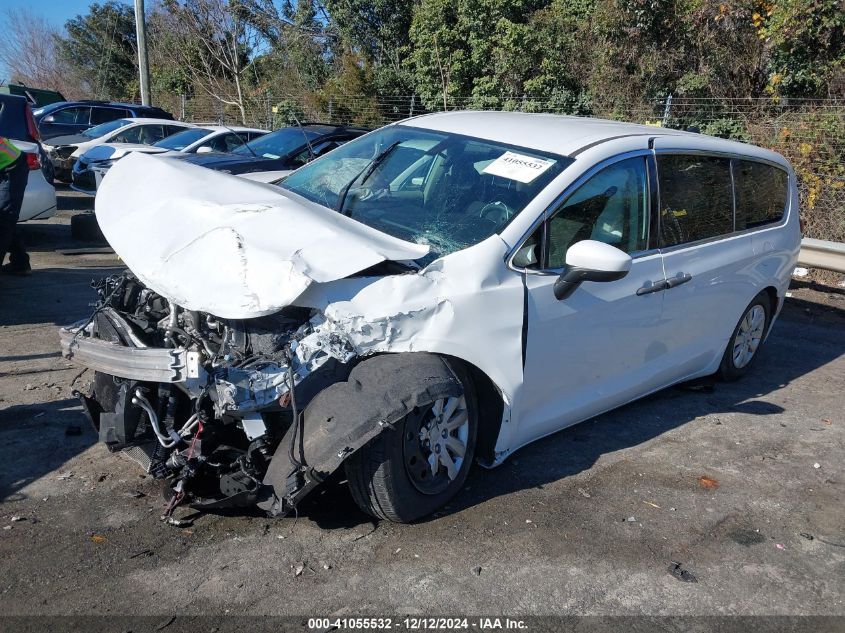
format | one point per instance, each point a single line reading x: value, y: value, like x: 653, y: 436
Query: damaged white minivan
x: 436, y: 293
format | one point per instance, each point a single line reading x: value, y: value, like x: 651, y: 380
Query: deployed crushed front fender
x: 342, y: 418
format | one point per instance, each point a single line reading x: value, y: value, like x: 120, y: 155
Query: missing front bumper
x: 144, y: 364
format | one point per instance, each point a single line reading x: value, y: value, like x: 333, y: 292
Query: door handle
x: 677, y: 281
x: 655, y: 287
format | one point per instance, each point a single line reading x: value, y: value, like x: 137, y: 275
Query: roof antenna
x: 244, y: 143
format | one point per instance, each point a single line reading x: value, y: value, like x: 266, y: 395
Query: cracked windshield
x: 445, y: 190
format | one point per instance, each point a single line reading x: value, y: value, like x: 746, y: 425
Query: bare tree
x: 445, y: 73
x: 28, y: 52
x: 209, y: 41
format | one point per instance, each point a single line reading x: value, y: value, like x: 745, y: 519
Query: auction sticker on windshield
x: 518, y: 167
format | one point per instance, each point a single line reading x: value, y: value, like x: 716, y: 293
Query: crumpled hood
x: 228, y: 246
x: 67, y: 139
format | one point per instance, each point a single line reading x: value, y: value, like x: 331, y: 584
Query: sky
x: 56, y: 11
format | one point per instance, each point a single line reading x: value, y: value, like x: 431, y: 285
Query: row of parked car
x: 77, y: 142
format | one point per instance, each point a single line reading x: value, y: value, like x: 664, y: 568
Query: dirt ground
x: 587, y: 521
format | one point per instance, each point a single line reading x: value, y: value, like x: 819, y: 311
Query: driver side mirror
x: 590, y: 260
x: 50, y: 118
x: 204, y: 149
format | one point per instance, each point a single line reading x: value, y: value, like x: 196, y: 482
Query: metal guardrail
x: 822, y: 254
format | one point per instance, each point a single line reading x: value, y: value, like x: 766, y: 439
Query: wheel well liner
x: 490, y: 410
x: 344, y: 416
x: 773, y: 298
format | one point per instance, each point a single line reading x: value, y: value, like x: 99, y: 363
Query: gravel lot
x: 587, y: 521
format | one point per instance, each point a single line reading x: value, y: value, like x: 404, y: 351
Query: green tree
x: 100, y: 46
x: 475, y: 50
x: 378, y: 30
x: 807, y: 41
x: 295, y: 55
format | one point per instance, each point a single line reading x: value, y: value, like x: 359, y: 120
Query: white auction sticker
x: 518, y: 167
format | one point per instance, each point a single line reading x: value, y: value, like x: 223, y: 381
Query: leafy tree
x: 295, y: 55
x: 471, y: 49
x: 807, y: 40
x: 100, y: 46
x: 378, y: 30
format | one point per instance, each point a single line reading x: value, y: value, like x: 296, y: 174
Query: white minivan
x: 439, y: 292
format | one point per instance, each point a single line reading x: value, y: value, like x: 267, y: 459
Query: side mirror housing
x: 50, y: 118
x: 204, y: 149
x: 590, y: 260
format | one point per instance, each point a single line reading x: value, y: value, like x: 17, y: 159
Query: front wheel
x: 747, y: 337
x: 411, y: 470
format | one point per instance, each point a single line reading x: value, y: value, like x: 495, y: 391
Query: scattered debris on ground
x: 677, y: 570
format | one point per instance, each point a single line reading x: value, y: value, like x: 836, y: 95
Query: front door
x: 601, y: 346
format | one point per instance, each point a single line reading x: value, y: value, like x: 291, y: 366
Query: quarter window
x: 696, y: 198
x: 104, y: 115
x: 610, y: 207
x: 761, y: 192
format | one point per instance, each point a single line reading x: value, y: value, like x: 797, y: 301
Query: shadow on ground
x: 69, y: 200
x: 35, y: 442
x: 50, y: 295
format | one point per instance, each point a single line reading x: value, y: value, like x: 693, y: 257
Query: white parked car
x: 39, y: 200
x: 438, y: 292
x: 64, y: 150
x: 93, y: 164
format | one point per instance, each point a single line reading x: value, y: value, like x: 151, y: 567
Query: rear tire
x: 391, y: 477
x: 744, y: 345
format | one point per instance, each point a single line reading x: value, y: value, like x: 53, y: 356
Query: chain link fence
x: 809, y: 132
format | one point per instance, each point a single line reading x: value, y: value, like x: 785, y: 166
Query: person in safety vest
x: 14, y: 172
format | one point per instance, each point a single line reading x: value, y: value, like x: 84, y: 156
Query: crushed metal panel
x: 439, y: 310
x: 175, y: 235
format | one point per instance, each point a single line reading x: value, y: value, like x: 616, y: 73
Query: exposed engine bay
x: 213, y: 413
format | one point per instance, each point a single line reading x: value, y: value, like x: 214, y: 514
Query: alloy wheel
x: 435, y: 443
x: 748, y: 336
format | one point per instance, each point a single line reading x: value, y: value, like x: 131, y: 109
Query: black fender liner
x: 380, y: 391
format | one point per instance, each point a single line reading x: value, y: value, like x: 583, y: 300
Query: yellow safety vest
x: 8, y: 152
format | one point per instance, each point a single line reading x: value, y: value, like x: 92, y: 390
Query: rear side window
x: 696, y: 198
x: 761, y: 193
x: 104, y: 115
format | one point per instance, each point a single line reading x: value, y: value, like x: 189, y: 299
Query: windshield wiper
x: 365, y: 173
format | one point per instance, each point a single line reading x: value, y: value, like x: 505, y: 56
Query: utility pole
x: 143, y: 66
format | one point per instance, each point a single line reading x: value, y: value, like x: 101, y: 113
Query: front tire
x: 414, y: 468
x: 747, y: 338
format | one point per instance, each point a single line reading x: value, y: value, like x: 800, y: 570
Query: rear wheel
x: 417, y: 466
x: 747, y: 338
